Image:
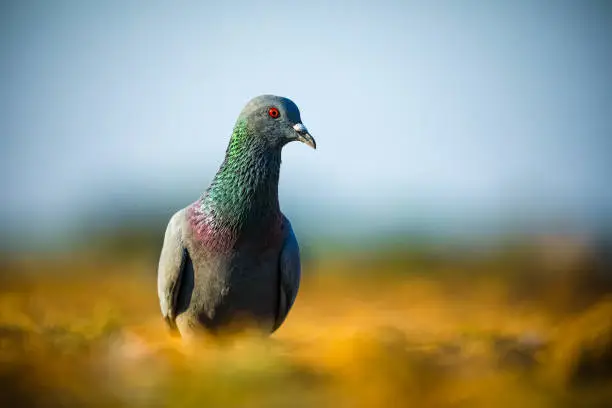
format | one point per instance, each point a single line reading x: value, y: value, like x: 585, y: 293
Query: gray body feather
x: 200, y: 289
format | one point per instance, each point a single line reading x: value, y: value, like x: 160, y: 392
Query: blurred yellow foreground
x: 386, y: 331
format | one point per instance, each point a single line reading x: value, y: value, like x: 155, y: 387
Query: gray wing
x: 172, y: 261
x: 290, y: 272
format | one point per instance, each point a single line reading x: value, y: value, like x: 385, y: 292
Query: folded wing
x: 290, y: 273
x: 172, y: 261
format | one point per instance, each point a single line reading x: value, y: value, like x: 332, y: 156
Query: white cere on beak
x: 300, y: 128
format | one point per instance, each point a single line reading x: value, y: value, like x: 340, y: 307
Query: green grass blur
x: 527, y: 324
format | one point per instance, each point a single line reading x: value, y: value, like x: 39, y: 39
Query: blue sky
x: 427, y: 112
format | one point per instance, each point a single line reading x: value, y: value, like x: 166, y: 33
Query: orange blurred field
x: 362, y: 334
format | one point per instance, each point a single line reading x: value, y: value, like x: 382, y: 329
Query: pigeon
x: 230, y: 260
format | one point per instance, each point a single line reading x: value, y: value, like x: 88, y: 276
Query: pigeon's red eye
x: 274, y: 113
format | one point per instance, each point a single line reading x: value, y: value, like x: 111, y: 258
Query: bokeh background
x: 455, y: 220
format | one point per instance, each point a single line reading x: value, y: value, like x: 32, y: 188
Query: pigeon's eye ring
x: 274, y: 113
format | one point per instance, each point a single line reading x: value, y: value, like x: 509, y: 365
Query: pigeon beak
x: 304, y: 136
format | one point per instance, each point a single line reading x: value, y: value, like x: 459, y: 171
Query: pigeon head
x: 276, y: 120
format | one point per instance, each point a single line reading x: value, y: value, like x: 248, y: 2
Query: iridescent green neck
x: 246, y: 186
